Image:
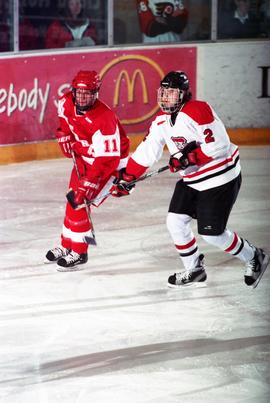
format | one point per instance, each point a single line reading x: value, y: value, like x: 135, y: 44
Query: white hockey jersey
x: 197, y: 121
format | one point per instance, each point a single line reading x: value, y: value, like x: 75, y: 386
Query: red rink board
x: 30, y: 87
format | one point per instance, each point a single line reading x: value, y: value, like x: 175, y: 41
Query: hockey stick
x: 148, y: 175
x: 141, y: 178
x: 89, y: 240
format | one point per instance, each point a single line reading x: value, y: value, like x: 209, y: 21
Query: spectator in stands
x: 239, y: 23
x: 74, y: 30
x: 162, y: 21
x: 28, y: 35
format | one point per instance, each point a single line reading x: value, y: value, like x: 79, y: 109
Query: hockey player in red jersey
x: 90, y: 131
x: 210, y: 171
x: 162, y: 21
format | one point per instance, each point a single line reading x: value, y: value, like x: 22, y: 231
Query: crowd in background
x: 60, y: 24
x: 74, y: 23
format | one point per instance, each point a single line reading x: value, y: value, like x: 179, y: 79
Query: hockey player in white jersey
x: 210, y: 179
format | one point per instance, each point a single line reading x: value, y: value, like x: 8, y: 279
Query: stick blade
x: 90, y: 240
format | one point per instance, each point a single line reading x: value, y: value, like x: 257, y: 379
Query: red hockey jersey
x: 98, y: 134
x: 162, y: 21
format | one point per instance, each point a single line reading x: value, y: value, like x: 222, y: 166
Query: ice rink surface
x: 114, y: 332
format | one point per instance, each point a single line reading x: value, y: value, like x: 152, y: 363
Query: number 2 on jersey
x: 209, y: 136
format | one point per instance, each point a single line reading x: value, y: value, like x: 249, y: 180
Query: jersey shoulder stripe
x: 199, y: 111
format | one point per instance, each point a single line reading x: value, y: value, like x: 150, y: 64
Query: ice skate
x: 56, y: 253
x: 189, y: 277
x: 71, y: 261
x: 256, y: 267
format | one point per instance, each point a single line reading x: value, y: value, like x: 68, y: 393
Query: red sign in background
x: 30, y: 87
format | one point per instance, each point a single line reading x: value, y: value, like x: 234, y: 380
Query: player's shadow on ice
x: 123, y: 359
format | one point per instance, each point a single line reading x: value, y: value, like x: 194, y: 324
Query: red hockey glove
x: 85, y: 190
x: 121, y: 184
x: 75, y: 146
x: 187, y: 158
x: 64, y: 143
x: 79, y: 149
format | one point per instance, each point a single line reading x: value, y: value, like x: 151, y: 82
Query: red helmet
x: 88, y: 80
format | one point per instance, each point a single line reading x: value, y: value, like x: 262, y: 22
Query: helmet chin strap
x: 181, y: 95
x: 81, y: 109
x: 173, y: 117
x: 174, y: 114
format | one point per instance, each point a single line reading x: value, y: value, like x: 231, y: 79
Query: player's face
x: 168, y: 99
x: 75, y: 7
x: 85, y: 98
x: 243, y: 6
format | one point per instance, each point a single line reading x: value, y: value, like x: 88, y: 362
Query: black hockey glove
x: 187, y: 158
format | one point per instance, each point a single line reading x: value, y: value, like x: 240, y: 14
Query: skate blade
x: 69, y: 269
x: 45, y: 261
x: 189, y: 285
x: 264, y: 267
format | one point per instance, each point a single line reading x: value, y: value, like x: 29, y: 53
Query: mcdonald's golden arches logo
x: 132, y: 80
x: 130, y: 86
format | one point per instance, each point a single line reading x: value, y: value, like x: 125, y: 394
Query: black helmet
x: 173, y: 92
x: 176, y: 79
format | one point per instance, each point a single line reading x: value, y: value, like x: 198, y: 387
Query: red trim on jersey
x: 213, y: 167
x: 135, y: 169
x: 233, y: 245
x: 199, y: 111
x: 160, y: 123
x: 187, y: 245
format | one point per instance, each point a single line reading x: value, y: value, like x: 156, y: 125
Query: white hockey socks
x: 184, y: 239
x: 231, y: 243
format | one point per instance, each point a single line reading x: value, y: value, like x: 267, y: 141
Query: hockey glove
x: 121, y: 184
x: 85, y: 190
x: 64, y: 142
x: 79, y: 149
x: 187, y: 158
